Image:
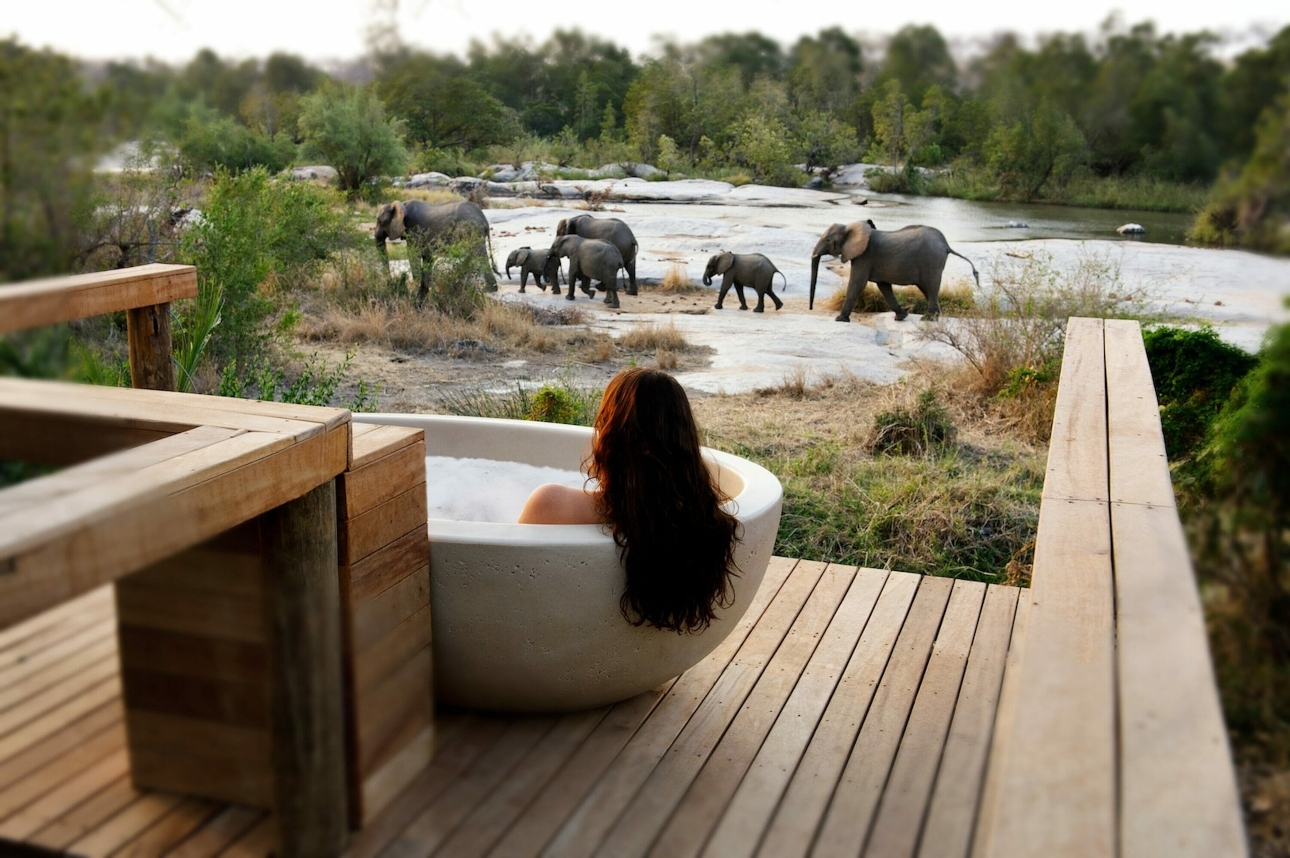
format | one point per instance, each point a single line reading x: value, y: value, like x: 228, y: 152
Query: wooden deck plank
x: 80, y: 784
x: 461, y: 740
x: 19, y: 642
x: 1077, y: 450
x: 188, y: 816
x: 29, y: 710
x: 87, y: 816
x: 217, y: 833
x: 792, y: 829
x: 1178, y: 787
x: 988, y: 805
x: 45, y: 752
x: 48, y: 778
x: 717, y: 767
x: 486, y: 825
x: 259, y: 841
x: 57, y: 719
x: 758, y: 792
x: 1138, y: 464
x: 125, y: 826
x: 541, y: 819
x: 54, y: 663
x: 855, y: 799
x: 1058, y: 786
x: 586, y: 827
x: 908, y: 790
x: 36, y: 303
x: 947, y: 830
x: 437, y: 822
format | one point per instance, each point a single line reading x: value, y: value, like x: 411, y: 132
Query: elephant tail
x: 975, y: 276
x: 488, y: 238
x: 782, y: 277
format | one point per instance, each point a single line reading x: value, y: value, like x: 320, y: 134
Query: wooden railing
x: 1111, y: 738
x: 151, y: 473
x: 145, y: 293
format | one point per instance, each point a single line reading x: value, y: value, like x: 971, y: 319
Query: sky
x: 174, y: 30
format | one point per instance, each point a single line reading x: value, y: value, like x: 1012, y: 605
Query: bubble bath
x: 470, y: 489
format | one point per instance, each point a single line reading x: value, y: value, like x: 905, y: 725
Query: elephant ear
x: 562, y: 227
x: 724, y: 261
x: 521, y: 256
x: 396, y: 220
x: 857, y: 241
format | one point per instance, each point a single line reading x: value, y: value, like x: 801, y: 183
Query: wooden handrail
x: 144, y: 293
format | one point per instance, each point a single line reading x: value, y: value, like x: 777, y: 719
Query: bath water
x: 486, y: 489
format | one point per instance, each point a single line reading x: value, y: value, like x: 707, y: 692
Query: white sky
x: 174, y: 30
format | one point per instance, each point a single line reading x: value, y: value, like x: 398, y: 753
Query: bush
x: 558, y: 399
x: 457, y: 271
x: 653, y: 337
x: 211, y: 140
x: 1194, y: 373
x: 924, y: 430
x: 346, y: 127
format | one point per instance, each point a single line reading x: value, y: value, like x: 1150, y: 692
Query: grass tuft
x: 653, y: 338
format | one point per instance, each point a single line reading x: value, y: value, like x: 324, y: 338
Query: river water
x: 1239, y: 292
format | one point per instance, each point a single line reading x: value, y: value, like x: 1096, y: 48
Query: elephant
x: 744, y: 269
x: 591, y: 259
x: 541, y: 263
x: 914, y: 256
x: 609, y: 229
x: 424, y: 225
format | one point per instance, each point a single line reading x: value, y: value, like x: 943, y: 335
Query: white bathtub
x: 526, y: 617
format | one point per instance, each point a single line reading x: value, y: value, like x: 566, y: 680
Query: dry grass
x: 653, y: 338
x: 677, y: 281
x: 434, y: 196
x: 667, y: 359
x: 956, y: 299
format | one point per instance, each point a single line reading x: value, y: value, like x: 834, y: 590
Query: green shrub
x: 211, y: 140
x: 346, y: 127
x: 553, y: 402
x: 924, y: 430
x: 1194, y: 373
x: 554, y: 405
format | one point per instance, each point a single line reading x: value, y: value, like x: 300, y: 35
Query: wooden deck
x: 850, y: 708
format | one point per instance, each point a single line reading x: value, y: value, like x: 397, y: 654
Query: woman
x: 657, y: 495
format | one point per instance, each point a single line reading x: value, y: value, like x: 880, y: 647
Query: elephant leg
x: 932, y: 292
x: 611, y: 297
x: 779, y: 305
x: 859, y: 277
x: 524, y: 280
x: 739, y: 290
x: 721, y: 296
x: 761, y: 302
x: 890, y: 297
x: 585, y: 286
x: 490, y: 282
x: 631, y: 276
x: 427, y: 263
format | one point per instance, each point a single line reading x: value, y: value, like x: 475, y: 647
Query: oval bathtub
x: 526, y: 617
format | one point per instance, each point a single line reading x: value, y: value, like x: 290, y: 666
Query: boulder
x: 319, y: 172
x: 1017, y: 224
x: 1131, y: 229
x: 646, y: 171
x: 815, y: 184
x: 427, y: 180
x: 501, y: 173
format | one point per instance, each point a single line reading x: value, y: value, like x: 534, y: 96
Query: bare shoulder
x: 556, y: 504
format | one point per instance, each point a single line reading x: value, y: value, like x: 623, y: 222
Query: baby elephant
x: 590, y: 259
x: 541, y: 263
x: 744, y: 269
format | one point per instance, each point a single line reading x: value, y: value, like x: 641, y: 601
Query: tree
x: 211, y: 140
x: 346, y: 127
x: 889, y: 123
x: 1042, y: 149
x: 824, y: 71
x: 440, y: 104
x: 918, y: 57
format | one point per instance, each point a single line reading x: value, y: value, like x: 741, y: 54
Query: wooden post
x: 151, y: 363
x: 302, y: 607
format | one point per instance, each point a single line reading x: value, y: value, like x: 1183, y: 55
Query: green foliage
x: 346, y: 127
x: 314, y: 383
x: 48, y: 132
x: 554, y: 402
x: 764, y: 147
x: 252, y: 231
x: 1253, y: 208
x: 1042, y: 149
x: 924, y: 430
x: 457, y: 272
x: 1194, y: 373
x: 211, y: 140
x: 441, y: 105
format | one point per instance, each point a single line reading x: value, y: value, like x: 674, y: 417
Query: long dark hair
x: 661, y: 501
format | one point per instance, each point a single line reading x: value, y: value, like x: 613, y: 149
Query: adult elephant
x: 541, y: 263
x: 913, y: 256
x: 591, y: 259
x: 609, y: 229
x: 425, y: 225
x: 744, y: 269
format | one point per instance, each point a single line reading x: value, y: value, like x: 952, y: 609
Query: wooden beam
x: 302, y: 607
x: 1178, y: 786
x: 62, y: 299
x: 152, y: 365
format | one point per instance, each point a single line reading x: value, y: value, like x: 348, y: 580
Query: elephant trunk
x: 385, y: 256
x: 707, y: 279
x: 508, y: 269
x: 815, y: 271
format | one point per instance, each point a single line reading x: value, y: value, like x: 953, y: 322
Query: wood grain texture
x: 303, y: 615
x: 386, y: 566
x: 152, y: 365
x: 383, y: 524
x: 382, y: 785
x: 1139, y: 466
x: 35, y: 303
x: 192, y: 655
x: 695, y: 812
x: 377, y: 442
x: 1057, y: 791
x: 1077, y: 449
x: 907, y: 792
x: 792, y: 829
x: 401, y: 463
x: 217, y: 833
x: 947, y: 830
x: 86, y: 816
x: 740, y: 827
x: 376, y: 617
